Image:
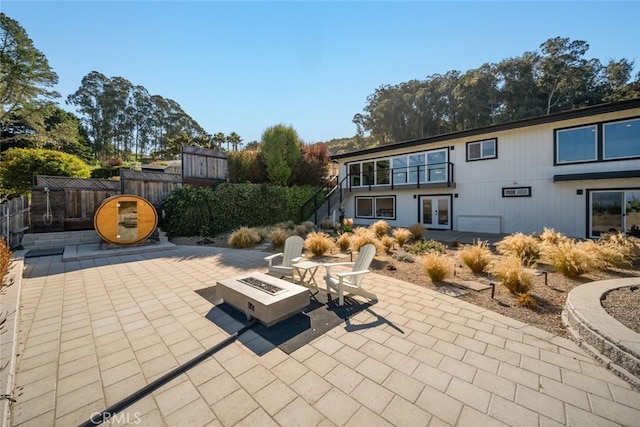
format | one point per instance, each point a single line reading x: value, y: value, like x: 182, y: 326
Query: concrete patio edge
x: 598, y: 333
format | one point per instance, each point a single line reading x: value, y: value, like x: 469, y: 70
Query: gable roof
x: 549, y: 118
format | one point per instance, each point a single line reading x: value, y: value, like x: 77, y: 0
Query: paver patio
x: 94, y: 331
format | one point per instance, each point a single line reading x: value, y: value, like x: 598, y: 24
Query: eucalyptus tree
x: 518, y: 89
x: 26, y: 80
x: 561, y: 72
x: 88, y: 102
x: 476, y: 96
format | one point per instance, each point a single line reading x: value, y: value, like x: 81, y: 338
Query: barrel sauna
x: 125, y: 219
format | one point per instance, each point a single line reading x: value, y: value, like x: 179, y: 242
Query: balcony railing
x: 415, y: 176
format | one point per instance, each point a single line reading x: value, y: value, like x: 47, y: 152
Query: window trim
x: 600, y: 142
x: 596, y: 146
x: 527, y: 192
x: 495, y: 149
x: 604, y: 138
x: 374, y: 207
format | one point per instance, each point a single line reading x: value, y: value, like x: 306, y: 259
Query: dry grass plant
x: 512, y: 274
x: 477, y: 256
x: 343, y: 242
x: 381, y: 228
x: 278, y: 236
x: 551, y: 237
x: 388, y: 242
x: 5, y: 264
x: 418, y: 231
x: 617, y: 249
x: 523, y: 246
x: 362, y: 236
x: 318, y: 242
x: 438, y: 266
x: 401, y: 235
x: 571, y: 258
x: 244, y: 237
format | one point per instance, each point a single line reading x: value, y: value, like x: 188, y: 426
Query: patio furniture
x: 306, y: 272
x: 349, y: 282
x: 292, y: 254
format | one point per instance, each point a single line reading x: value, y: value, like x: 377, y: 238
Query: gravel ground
x: 624, y: 305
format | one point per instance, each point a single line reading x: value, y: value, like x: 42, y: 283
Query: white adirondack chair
x: 292, y: 254
x: 349, y: 282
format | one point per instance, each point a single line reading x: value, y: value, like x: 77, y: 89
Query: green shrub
x: 347, y: 225
x: 523, y: 246
x: 230, y: 206
x: 477, y: 256
x: 244, y: 237
x: 426, y: 246
x: 438, y: 266
x: 512, y: 274
x: 318, y: 243
x: 19, y: 165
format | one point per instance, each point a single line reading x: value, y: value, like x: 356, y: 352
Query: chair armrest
x: 352, y: 273
x: 297, y: 259
x: 270, y: 258
x: 342, y: 276
x: 335, y: 264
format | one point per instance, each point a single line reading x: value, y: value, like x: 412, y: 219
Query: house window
x: 621, y: 139
x: 364, y: 207
x: 482, y: 150
x: 437, y: 166
x: 577, y: 144
x: 416, y: 168
x: 382, y: 172
x: 516, y: 192
x: 354, y: 173
x: 376, y: 207
x: 400, y: 170
x: 385, y: 207
x: 368, y: 173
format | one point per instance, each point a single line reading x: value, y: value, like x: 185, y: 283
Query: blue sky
x: 245, y: 66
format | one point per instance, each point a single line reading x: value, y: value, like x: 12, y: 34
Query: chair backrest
x: 363, y: 261
x: 292, y: 249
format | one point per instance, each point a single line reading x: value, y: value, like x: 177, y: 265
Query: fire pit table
x: 263, y: 297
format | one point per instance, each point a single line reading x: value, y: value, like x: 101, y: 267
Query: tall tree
x: 26, y: 79
x: 561, y: 72
x: 280, y: 149
x: 234, y: 139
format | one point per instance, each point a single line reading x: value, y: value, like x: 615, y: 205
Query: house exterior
x: 577, y: 172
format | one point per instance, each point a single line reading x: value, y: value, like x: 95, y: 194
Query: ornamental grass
x: 477, y: 256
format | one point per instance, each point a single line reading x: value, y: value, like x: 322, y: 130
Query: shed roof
x: 63, y: 183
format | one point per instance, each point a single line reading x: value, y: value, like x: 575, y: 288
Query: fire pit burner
x: 261, y: 285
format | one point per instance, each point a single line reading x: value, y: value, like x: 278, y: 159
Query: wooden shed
x: 203, y: 167
x: 67, y: 204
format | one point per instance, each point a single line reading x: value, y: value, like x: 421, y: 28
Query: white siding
x: 525, y: 159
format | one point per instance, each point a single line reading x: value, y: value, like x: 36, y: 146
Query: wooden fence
x: 14, y: 220
x: 152, y: 186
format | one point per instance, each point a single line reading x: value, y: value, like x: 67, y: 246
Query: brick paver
x: 94, y: 331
